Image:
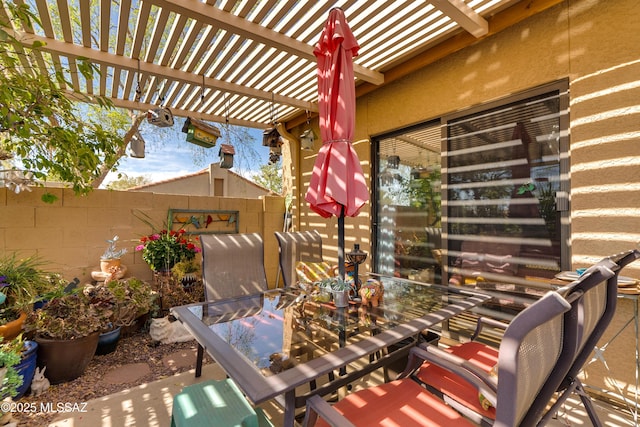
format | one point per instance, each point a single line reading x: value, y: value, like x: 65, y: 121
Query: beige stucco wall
x: 595, y: 45
x: 70, y: 234
x: 592, y: 43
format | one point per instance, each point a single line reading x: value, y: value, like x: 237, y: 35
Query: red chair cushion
x: 397, y: 403
x: 452, y: 385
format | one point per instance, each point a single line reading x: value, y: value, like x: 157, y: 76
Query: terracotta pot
x: 106, y: 264
x: 12, y: 329
x: 66, y: 360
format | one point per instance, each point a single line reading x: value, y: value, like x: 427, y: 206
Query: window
x: 407, y: 207
x: 498, y: 205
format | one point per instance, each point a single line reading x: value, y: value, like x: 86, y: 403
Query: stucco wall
x: 71, y: 233
x: 593, y: 44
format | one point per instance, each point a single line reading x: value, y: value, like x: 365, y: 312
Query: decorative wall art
x: 203, y: 221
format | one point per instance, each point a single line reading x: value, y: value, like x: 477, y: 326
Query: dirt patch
x: 101, y: 377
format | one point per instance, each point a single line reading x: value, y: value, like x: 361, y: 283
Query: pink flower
x: 139, y: 247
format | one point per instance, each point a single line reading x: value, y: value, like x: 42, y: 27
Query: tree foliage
x: 125, y: 182
x: 39, y: 123
x: 270, y: 177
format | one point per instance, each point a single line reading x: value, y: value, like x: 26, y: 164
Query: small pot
x: 107, y: 264
x: 108, y: 341
x: 341, y: 298
x: 12, y: 329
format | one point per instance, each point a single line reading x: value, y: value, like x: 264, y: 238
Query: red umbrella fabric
x: 337, y: 182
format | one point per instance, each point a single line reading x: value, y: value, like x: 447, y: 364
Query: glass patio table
x: 273, y: 343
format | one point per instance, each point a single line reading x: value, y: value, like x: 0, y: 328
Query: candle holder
x: 357, y: 257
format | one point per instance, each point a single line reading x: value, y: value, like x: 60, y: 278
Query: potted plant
x: 186, y: 272
x: 111, y: 258
x: 18, y: 371
x: 163, y: 248
x: 67, y: 330
x: 340, y: 290
x: 23, y: 281
x: 10, y: 355
x: 133, y: 298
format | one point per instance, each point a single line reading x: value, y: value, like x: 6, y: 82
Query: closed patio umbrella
x: 337, y: 185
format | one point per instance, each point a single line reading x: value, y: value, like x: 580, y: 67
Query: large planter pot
x: 10, y: 330
x: 26, y: 367
x: 108, y: 341
x: 66, y: 360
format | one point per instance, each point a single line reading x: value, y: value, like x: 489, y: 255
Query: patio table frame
x: 282, y: 386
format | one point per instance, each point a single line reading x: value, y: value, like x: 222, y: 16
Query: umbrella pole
x: 341, y: 268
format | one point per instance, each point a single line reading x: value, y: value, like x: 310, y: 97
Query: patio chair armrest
x: 487, y: 322
x: 475, y: 376
x: 317, y: 406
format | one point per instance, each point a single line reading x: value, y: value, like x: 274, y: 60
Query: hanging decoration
x: 200, y: 133
x: 226, y: 156
x: 161, y: 116
x: 307, y: 138
x: 227, y: 151
x: 271, y: 138
x: 136, y: 146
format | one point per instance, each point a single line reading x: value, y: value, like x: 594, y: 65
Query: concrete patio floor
x: 150, y: 405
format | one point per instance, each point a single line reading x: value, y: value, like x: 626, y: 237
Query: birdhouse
x: 271, y: 138
x: 201, y: 133
x: 306, y: 140
x: 136, y: 146
x: 160, y: 117
x: 226, y: 156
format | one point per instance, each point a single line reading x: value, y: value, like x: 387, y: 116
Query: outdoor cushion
x: 309, y: 272
x: 397, y: 403
x: 455, y: 387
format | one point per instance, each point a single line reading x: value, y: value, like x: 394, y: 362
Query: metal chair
x: 232, y: 266
x: 535, y: 334
x: 595, y: 312
x: 297, y: 246
x: 593, y: 297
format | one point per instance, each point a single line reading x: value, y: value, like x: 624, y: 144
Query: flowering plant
x: 164, y: 249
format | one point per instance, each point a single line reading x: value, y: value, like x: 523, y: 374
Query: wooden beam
x: 213, y: 16
x: 466, y: 17
x: 507, y: 18
x: 122, y: 62
x: 177, y: 112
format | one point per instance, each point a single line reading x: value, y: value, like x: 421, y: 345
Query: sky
x: 169, y: 155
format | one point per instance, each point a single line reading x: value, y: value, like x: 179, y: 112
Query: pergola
x: 242, y: 62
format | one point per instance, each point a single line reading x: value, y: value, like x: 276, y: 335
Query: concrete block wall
x: 70, y: 234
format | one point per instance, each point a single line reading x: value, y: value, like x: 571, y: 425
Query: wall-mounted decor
x: 203, y: 221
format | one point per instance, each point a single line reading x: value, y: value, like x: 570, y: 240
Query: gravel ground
x: 137, y: 348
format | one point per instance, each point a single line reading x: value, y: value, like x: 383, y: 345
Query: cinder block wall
x: 71, y: 233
